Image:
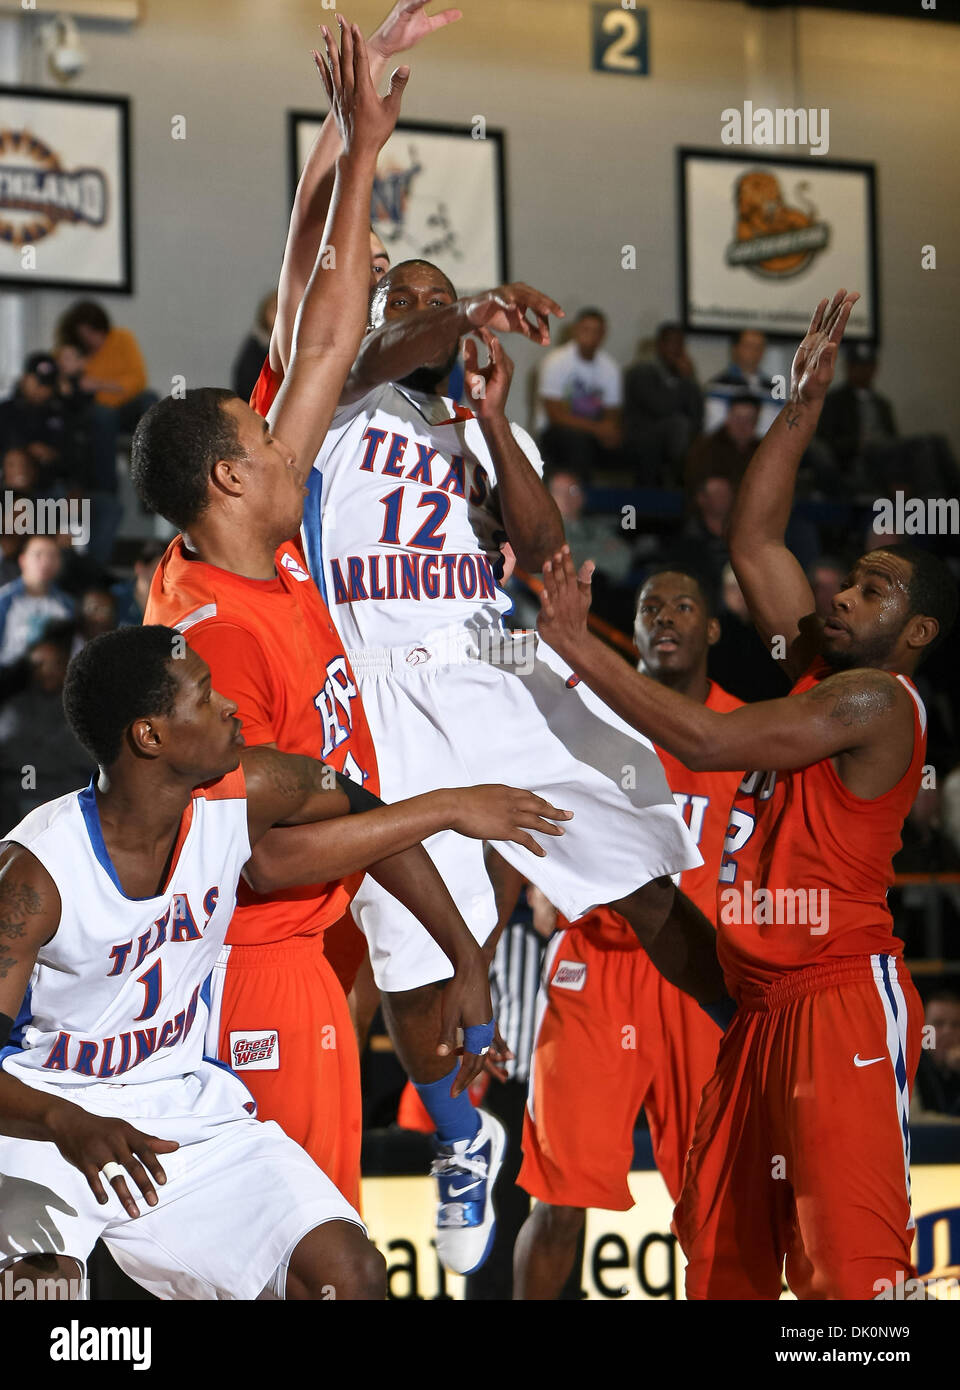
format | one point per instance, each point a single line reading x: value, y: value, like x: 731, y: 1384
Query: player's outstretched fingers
x: 333, y: 58
x: 846, y: 308
x: 471, y: 1065
x: 520, y: 837
x: 347, y: 71
x: 142, y: 1178
x: 119, y: 1184
x: 146, y: 1147
x: 450, y: 1007
x: 324, y: 74
x: 816, y: 318
x: 535, y: 813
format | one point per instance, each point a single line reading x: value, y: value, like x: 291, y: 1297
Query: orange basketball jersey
x: 272, y: 648
x: 704, y: 799
x: 265, y: 391
x: 807, y: 865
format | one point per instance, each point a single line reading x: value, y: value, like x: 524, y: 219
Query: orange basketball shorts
x: 279, y: 1018
x: 612, y: 1036
x: 801, y: 1149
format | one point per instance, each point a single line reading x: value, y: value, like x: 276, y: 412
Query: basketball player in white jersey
x: 408, y: 503
x: 114, y: 903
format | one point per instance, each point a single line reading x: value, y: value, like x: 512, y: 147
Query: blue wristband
x: 478, y: 1039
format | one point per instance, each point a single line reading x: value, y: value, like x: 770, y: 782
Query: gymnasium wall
x: 591, y: 162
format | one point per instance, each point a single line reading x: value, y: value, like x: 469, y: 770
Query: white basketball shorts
x: 239, y: 1194
x: 443, y: 715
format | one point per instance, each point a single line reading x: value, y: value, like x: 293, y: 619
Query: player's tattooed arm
x: 774, y: 585
x: 866, y: 714
x: 29, y: 915
x: 855, y: 699
x: 529, y: 514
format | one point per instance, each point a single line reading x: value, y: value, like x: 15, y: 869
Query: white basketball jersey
x: 398, y: 528
x: 120, y: 993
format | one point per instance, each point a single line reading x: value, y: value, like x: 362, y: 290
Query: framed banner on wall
x: 64, y: 191
x: 438, y: 194
x: 762, y: 240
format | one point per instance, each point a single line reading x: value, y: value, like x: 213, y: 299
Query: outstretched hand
x: 813, y: 366
x: 406, y: 25
x: 365, y: 120
x: 506, y: 310
x: 487, y: 387
x: 565, y: 603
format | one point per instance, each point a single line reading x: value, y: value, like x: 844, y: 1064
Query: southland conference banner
x: 760, y: 237
x: 64, y: 191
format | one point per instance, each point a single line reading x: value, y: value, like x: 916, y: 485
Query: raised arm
x: 776, y: 590
x: 333, y: 314
x: 530, y: 516
x: 863, y: 717
x: 403, y: 344
x: 404, y: 27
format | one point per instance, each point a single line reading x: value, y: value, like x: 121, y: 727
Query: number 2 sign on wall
x: 621, y: 39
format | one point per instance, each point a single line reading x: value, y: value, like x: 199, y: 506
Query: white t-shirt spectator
x: 588, y: 387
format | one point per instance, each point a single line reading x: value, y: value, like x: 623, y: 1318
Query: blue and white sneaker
x: 465, y: 1174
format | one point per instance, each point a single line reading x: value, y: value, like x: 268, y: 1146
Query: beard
x: 427, y: 379
x: 873, y: 651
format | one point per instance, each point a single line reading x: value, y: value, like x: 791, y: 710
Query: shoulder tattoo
x: 856, y: 698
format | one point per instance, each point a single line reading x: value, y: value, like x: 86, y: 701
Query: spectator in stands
x: 589, y: 537
x: 936, y: 1091
x: 595, y: 538
x: 925, y: 849
x: 39, y: 757
x: 41, y: 420
x: 108, y: 366
x: 742, y: 376
x: 704, y: 536
x: 113, y: 365
x: 580, y: 399
x: 97, y: 615
x: 663, y: 410
x: 725, y: 452
x: 951, y: 807
x: 20, y: 473
x: 29, y: 603
x: 740, y: 661
x: 10, y: 547
x: 825, y: 575
x: 254, y: 349
x: 855, y: 416
x: 859, y: 427
x: 131, y: 595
